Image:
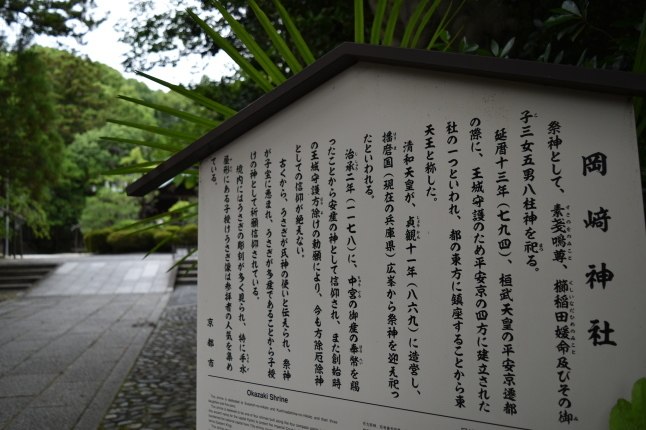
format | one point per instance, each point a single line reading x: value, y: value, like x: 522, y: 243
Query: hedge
x: 97, y: 241
x: 108, y: 240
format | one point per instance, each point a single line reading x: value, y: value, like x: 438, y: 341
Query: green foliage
x: 187, y: 236
x: 168, y: 237
x: 638, y: 102
x: 106, y: 209
x: 163, y: 240
x: 113, y: 240
x: 157, y: 34
x: 123, y: 241
x: 53, y: 111
x: 257, y: 41
x: 53, y: 18
x: 276, y: 39
x: 182, y: 209
x: 230, y: 91
x: 97, y: 241
x: 591, y: 34
x: 249, y: 53
x: 84, y: 95
x: 30, y: 146
x: 82, y: 90
x: 630, y: 416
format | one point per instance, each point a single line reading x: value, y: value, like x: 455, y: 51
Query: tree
x: 49, y: 17
x: 83, y: 111
x: 163, y: 38
x: 108, y: 208
x: 267, y: 65
x: 53, y: 110
x: 84, y: 90
x: 30, y: 145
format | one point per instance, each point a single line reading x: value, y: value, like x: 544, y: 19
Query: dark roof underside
x: 348, y: 54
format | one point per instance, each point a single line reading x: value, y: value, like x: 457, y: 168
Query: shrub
x: 188, y: 236
x: 108, y: 240
x: 159, y: 236
x: 127, y: 241
x: 172, y: 228
x: 97, y: 241
x: 106, y: 209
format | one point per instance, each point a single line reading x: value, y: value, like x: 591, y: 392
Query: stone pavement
x: 67, y: 345
x: 159, y: 392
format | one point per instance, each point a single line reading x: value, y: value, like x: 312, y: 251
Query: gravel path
x: 159, y: 393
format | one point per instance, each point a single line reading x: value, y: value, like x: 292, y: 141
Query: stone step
x: 186, y: 278
x: 10, y: 271
x: 22, y: 275
x: 187, y: 264
x: 18, y: 264
x: 14, y: 286
x: 182, y: 272
x: 20, y: 278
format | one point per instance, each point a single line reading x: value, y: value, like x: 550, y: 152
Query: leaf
x: 427, y: 16
x: 571, y: 7
x: 392, y: 22
x: 157, y: 130
x: 465, y: 48
x: 258, y: 53
x: 560, y: 19
x: 575, y: 35
x: 160, y: 216
x: 150, y: 227
x: 198, y: 98
x: 174, y: 112
x: 639, y: 403
x: 452, y: 40
x: 245, y: 65
x: 193, y: 266
x: 483, y: 52
x: 375, y: 33
x: 300, y: 44
x: 471, y: 48
x: 494, y: 48
x: 545, y: 55
x: 566, y: 30
x: 412, y: 22
x: 183, y: 259
x: 163, y: 242
x: 507, y: 48
x: 444, y: 22
x: 134, y: 168
x: 278, y: 41
x: 582, y: 58
x: 621, y: 416
x: 164, y: 147
x: 463, y: 45
x: 640, y: 55
x: 593, y: 62
x: 358, y: 21
x: 445, y: 36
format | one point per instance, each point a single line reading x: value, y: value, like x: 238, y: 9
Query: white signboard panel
x: 410, y: 250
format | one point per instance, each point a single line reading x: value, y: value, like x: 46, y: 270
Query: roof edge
x: 347, y: 54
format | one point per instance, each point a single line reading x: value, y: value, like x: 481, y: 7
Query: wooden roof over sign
x: 348, y: 54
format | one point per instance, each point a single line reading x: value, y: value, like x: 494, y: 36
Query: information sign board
x: 411, y: 249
